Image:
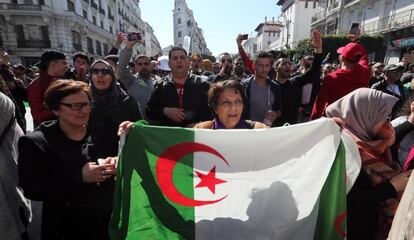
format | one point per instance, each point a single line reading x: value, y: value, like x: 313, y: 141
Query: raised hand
x: 317, y: 41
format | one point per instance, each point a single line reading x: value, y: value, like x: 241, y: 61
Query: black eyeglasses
x: 144, y: 63
x: 79, y: 106
x: 104, y: 71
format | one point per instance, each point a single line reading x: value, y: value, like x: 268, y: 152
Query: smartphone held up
x: 134, y: 36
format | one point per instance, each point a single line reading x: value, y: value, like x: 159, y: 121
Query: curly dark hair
x: 216, y: 89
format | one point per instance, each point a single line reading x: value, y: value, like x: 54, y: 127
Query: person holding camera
x: 179, y: 99
x: 138, y: 86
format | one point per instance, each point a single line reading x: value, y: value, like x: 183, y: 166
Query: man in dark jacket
x: 291, y: 87
x: 80, y: 68
x: 226, y: 65
x: 264, y: 102
x: 392, y: 85
x: 179, y: 99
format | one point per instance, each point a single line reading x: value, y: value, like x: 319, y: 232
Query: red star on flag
x: 209, y: 180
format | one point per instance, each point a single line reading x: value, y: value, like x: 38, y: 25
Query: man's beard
x: 145, y: 73
x: 238, y: 71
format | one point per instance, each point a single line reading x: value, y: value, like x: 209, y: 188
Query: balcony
x: 399, y: 20
x: 77, y: 47
x: 333, y: 6
x: 29, y: 7
x: 318, y: 16
x: 22, y: 43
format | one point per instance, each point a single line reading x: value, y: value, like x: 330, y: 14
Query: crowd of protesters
x: 69, y: 161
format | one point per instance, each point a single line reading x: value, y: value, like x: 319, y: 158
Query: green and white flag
x: 279, y: 183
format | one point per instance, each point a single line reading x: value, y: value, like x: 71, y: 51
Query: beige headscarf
x: 361, y: 110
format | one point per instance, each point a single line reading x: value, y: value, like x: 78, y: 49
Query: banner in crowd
x: 279, y: 183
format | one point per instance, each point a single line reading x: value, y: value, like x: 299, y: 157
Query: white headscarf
x: 362, y: 110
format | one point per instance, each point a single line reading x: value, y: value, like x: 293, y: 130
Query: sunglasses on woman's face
x: 104, y: 71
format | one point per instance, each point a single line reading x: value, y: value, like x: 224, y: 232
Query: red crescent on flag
x: 165, y: 166
x: 338, y: 222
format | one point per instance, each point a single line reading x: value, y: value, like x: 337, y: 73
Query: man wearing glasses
x: 226, y: 64
x: 138, y: 86
x: 53, y: 66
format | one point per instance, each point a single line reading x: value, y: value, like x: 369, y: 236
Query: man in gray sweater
x: 140, y: 85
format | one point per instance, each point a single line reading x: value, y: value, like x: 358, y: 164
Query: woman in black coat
x: 58, y: 164
x: 112, y: 107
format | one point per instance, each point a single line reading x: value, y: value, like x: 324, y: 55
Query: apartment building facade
x: 393, y: 19
x: 184, y: 24
x: 30, y: 27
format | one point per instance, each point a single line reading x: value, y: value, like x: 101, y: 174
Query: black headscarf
x: 111, y: 97
x: 112, y: 106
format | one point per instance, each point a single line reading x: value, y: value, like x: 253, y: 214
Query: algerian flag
x: 279, y: 183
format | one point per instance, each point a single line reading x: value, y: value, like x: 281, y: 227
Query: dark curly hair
x: 216, y: 89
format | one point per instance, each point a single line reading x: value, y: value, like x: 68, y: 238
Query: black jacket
x: 195, y: 101
x: 382, y: 86
x: 104, y: 123
x: 50, y: 170
x: 292, y: 91
x: 274, y: 88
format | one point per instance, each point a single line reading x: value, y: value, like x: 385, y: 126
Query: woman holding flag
x: 371, y: 202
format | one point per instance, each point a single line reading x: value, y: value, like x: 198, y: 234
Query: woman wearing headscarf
x: 14, y: 207
x: 364, y: 115
x: 112, y: 107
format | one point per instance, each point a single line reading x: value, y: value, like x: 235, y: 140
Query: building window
x: 98, y: 47
x: 306, y: 3
x: 19, y: 32
x: 76, y: 41
x: 105, y: 48
x: 45, y: 32
x: 179, y: 21
x: 101, y: 24
x: 89, y: 45
x: 179, y: 34
x: 314, y: 3
x: 71, y: 6
x: 94, y: 20
x: 111, y: 30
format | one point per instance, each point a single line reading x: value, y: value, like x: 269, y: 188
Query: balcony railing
x: 77, y: 46
x: 400, y: 20
x: 22, y: 43
x: 333, y: 6
x: 318, y: 16
x: 24, y: 6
